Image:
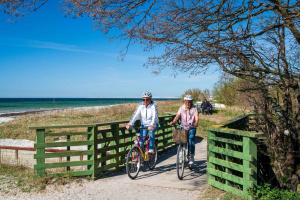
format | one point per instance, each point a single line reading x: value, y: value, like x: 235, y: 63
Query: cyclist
x: 149, y: 119
x: 189, y: 115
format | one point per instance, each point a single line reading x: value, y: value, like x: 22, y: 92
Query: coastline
x: 7, y: 117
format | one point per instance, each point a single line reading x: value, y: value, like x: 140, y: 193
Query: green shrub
x: 265, y: 192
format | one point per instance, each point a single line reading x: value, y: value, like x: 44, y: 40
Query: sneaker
x: 150, y: 151
x: 191, y: 161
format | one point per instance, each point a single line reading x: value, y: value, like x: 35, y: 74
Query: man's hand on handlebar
x: 171, y: 124
x: 195, y: 124
x: 150, y: 128
x: 128, y: 126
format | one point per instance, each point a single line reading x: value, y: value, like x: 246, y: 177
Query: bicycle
x: 183, y: 155
x: 136, y: 155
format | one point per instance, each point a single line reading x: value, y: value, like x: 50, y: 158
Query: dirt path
x: 160, y: 183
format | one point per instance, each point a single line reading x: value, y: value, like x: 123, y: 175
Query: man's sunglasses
x: 146, y: 99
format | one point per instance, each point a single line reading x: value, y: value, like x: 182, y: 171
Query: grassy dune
x: 18, y: 128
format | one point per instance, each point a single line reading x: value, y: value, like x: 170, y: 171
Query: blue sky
x: 49, y: 55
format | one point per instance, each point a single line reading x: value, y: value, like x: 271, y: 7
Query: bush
x: 265, y: 192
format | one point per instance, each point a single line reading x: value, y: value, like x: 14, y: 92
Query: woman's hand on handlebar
x: 195, y: 124
x: 171, y: 124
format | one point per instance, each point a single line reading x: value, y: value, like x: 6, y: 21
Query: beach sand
x: 7, y: 117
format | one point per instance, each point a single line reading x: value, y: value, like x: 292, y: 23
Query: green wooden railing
x: 232, y: 156
x: 106, y: 147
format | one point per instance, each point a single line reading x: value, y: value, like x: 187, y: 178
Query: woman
x: 189, y: 116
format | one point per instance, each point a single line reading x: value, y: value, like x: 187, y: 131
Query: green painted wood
x: 40, y: 138
x: 72, y: 173
x: 65, y: 134
x: 226, y: 188
x: 62, y: 154
x: 122, y: 141
x: 116, y: 151
x: 63, y: 164
x: 103, y: 153
x: 230, y: 177
x: 236, y: 132
x: 230, y: 165
x: 63, y: 144
x: 229, y: 141
x: 210, y: 136
x: 231, y: 153
x: 250, y: 147
x: 68, y: 149
x: 61, y: 126
x: 92, y: 147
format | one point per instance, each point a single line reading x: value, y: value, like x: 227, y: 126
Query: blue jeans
x: 192, y: 134
x: 203, y: 109
x: 151, y: 136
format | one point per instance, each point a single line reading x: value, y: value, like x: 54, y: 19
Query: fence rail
x: 232, y: 156
x: 106, y: 146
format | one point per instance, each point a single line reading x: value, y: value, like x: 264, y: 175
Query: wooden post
x: 68, y: 149
x: 250, y: 148
x: 116, y: 142
x: 210, y: 135
x: 122, y: 141
x: 93, y: 147
x: 40, y: 139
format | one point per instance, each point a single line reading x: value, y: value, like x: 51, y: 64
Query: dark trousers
x: 203, y: 109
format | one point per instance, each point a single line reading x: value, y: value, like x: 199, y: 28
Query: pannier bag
x: 180, y: 135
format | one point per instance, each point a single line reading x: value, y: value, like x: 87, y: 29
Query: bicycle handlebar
x: 189, y: 125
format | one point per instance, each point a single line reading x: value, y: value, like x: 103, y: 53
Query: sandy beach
x: 7, y: 117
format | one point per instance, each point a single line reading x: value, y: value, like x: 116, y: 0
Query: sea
x: 15, y: 105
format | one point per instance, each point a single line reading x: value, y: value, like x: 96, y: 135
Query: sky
x: 47, y: 55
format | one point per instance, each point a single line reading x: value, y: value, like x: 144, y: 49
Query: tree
x: 256, y: 41
x: 196, y: 93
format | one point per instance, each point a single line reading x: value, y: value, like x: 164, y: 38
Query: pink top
x: 187, y: 116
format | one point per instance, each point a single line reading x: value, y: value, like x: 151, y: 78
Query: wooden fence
x: 106, y: 146
x: 232, y: 156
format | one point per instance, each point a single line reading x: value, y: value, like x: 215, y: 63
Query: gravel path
x: 160, y: 183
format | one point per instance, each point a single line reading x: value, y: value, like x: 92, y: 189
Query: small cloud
x: 19, y: 42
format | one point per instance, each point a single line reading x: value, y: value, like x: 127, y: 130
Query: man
x: 206, y: 105
x: 189, y: 115
x: 149, y: 119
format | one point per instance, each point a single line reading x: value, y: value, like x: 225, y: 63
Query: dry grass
x: 211, y: 193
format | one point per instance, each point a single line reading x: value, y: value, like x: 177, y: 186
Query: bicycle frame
x: 144, y: 154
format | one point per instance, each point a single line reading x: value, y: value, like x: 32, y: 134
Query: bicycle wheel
x: 180, y: 161
x: 133, y: 162
x: 152, y: 159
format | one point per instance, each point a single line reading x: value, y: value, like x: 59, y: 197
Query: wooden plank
x: 231, y: 153
x: 116, y: 142
x: 62, y: 126
x: 62, y: 154
x: 227, y: 141
x: 250, y: 147
x: 40, y: 139
x: 230, y: 165
x: 72, y: 173
x: 65, y: 134
x: 106, y: 167
x: 62, y: 164
x: 226, y: 188
x: 236, y: 132
x: 63, y: 144
x: 230, y: 177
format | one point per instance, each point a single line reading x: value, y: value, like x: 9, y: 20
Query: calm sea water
x: 8, y: 105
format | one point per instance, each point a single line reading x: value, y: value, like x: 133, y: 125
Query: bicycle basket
x: 180, y: 135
